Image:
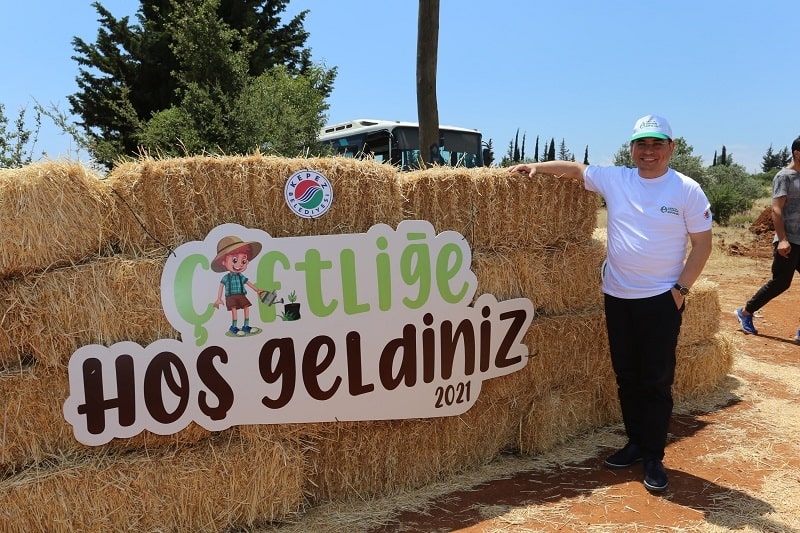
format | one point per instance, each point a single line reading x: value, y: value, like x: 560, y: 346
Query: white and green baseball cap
x: 651, y: 126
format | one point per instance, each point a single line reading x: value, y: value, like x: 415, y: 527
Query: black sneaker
x: 655, y: 477
x: 624, y: 458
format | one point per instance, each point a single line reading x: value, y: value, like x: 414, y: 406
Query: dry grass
x: 50, y: 314
x: 88, y: 293
x: 497, y: 211
x: 34, y: 429
x: 214, y: 485
x: 52, y: 213
x: 557, y: 279
x: 172, y: 201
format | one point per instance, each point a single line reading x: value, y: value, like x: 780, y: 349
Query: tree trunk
x: 427, y: 58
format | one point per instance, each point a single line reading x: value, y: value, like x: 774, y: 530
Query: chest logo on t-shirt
x: 670, y: 210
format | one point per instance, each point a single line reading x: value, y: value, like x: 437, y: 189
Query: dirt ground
x: 733, y: 458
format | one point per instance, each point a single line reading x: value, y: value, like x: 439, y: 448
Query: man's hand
x: 524, y: 168
x: 784, y: 247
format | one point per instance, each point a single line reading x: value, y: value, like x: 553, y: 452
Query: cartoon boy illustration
x: 233, y: 256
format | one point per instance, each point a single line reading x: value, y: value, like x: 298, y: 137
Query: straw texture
x: 80, y: 263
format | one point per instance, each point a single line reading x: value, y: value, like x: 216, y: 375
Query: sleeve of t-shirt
x: 698, y: 211
x: 780, y: 186
x: 595, y: 178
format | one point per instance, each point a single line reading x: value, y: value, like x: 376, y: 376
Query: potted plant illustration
x: 291, y: 311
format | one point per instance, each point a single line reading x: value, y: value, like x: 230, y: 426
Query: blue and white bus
x: 397, y: 143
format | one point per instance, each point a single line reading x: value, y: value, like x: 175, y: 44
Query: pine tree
x: 181, y: 58
x: 768, y: 160
x: 784, y: 157
x: 563, y: 153
x: 771, y: 160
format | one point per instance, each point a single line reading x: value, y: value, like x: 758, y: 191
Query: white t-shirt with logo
x: 649, y: 221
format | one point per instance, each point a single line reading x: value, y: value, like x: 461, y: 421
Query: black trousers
x: 643, y: 336
x: 783, y: 269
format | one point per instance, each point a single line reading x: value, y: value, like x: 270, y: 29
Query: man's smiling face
x: 651, y: 156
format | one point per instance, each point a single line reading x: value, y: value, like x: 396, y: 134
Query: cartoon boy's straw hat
x: 230, y: 245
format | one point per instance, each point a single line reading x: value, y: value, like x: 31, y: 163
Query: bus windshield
x: 397, y: 143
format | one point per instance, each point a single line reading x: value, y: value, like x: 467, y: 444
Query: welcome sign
x: 371, y: 326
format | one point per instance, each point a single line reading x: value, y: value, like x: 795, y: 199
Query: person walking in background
x: 653, y: 212
x: 785, y: 244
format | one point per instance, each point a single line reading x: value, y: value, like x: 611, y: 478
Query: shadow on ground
x: 711, y: 502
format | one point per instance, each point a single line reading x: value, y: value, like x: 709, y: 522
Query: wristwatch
x: 681, y: 289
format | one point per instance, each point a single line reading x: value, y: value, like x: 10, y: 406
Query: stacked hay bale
x: 81, y: 262
x: 535, y: 238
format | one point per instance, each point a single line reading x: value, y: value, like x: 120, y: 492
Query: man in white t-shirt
x: 653, y: 213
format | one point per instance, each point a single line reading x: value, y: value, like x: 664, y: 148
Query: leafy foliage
x: 179, y: 80
x: 728, y: 186
x: 765, y: 178
x: 773, y: 161
x: 622, y: 157
x: 17, y: 145
x: 730, y: 190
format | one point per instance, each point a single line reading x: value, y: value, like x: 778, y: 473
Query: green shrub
x: 726, y: 201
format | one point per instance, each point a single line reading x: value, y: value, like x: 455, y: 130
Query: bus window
x: 397, y: 143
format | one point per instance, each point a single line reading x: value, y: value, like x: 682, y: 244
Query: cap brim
x: 647, y: 134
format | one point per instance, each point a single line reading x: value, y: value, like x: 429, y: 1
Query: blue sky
x: 583, y: 71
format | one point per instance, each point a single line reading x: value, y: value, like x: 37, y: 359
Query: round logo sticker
x: 309, y: 194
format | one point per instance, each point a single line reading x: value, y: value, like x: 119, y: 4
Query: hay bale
x: 702, y: 314
x: 700, y: 367
x: 217, y: 485
x: 554, y: 418
x: 34, y: 428
x: 51, y: 314
x: 565, y: 349
x: 9, y: 355
x: 557, y: 279
x: 361, y: 460
x: 497, y: 211
x: 172, y: 201
x: 570, y: 383
x: 530, y: 238
x: 52, y: 213
x: 574, y: 407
